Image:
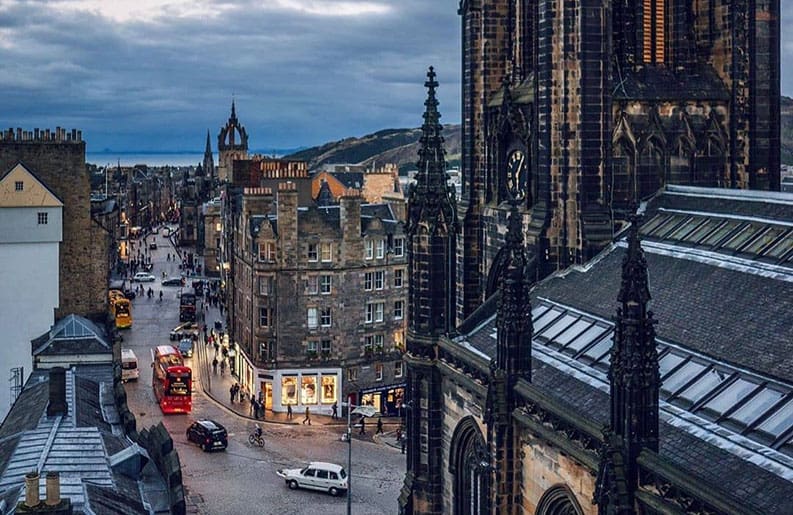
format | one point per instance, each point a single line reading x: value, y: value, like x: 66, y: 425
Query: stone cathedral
x: 576, y: 108
x: 600, y: 324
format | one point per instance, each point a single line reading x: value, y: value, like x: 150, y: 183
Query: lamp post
x: 365, y: 411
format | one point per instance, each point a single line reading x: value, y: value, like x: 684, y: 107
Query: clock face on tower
x: 516, y: 174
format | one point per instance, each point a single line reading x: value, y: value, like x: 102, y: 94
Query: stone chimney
x: 57, y: 403
x: 287, y: 224
x: 350, y: 221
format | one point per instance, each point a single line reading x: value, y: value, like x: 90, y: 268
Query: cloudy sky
x: 154, y: 75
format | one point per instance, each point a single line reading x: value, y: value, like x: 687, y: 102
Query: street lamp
x: 366, y: 411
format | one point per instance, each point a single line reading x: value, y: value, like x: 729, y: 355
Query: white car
x: 143, y: 277
x: 318, y: 475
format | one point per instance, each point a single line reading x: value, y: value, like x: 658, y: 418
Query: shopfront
x: 387, y: 400
x: 242, y: 368
x: 318, y: 389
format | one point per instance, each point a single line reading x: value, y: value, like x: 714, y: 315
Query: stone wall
x: 58, y: 160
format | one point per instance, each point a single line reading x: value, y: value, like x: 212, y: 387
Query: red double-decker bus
x: 171, y: 380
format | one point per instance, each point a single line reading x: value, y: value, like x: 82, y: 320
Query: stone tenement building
x: 319, y: 298
x: 196, y: 190
x: 57, y: 159
x: 656, y: 378
x: 575, y: 108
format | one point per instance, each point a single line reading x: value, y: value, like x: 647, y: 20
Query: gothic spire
x: 208, y: 149
x: 634, y: 377
x: 513, y: 354
x: 233, y: 110
x: 431, y: 199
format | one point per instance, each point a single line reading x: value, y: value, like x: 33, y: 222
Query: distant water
x: 129, y: 159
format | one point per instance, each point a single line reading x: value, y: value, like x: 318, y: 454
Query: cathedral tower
x: 232, y: 145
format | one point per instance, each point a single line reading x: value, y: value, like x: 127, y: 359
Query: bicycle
x: 255, y: 439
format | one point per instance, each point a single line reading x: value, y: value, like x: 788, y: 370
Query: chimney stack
x: 57, y: 405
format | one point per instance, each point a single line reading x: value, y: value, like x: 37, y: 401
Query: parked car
x: 186, y: 347
x: 143, y: 277
x: 318, y: 475
x: 153, y: 245
x: 173, y: 281
x: 186, y: 330
x: 208, y: 434
x: 130, y: 293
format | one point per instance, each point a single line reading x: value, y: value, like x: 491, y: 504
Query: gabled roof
x: 34, y: 192
x: 72, y: 334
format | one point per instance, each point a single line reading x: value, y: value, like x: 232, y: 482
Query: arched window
x: 650, y: 169
x: 621, y: 174
x: 710, y: 164
x: 680, y: 160
x: 470, y: 466
x: 558, y: 501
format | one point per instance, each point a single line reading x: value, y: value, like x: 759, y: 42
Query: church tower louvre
x: 431, y: 231
x: 232, y: 145
x: 634, y: 385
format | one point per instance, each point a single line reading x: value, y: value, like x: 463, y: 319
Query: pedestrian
x: 253, y: 404
x: 232, y: 393
x: 363, y: 426
x: 379, y: 426
x: 222, y: 367
x: 308, y: 417
x: 289, y: 412
x: 217, y: 347
x: 403, y: 440
x: 399, y: 434
x: 334, y: 414
x: 215, y: 366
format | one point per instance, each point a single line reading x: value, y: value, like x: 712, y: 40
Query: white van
x: 129, y: 365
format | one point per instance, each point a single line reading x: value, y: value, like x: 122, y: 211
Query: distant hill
x: 399, y: 146
x: 786, y: 121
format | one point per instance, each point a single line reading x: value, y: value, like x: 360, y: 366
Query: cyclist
x: 258, y: 431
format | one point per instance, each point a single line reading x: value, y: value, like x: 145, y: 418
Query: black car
x: 173, y: 281
x: 208, y: 434
x: 130, y: 293
x: 153, y: 246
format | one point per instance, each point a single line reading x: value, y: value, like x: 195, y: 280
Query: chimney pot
x: 53, y: 489
x: 32, y: 489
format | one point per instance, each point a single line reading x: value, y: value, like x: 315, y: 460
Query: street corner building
x: 601, y: 322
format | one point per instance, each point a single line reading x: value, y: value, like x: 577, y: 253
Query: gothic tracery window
x: 558, y: 501
x: 471, y: 469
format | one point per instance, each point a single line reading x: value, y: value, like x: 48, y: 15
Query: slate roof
x: 331, y: 215
x: 77, y: 445
x: 738, y: 317
x: 731, y: 314
x: 72, y: 334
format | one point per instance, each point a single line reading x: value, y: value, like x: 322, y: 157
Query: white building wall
x: 28, y: 288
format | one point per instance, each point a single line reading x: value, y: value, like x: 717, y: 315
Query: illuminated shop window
x: 328, y: 389
x: 308, y: 389
x: 288, y: 390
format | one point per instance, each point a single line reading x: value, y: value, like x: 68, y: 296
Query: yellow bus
x: 121, y: 309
